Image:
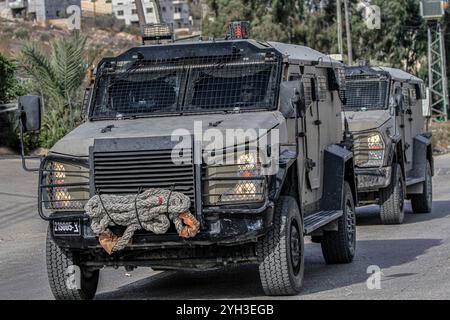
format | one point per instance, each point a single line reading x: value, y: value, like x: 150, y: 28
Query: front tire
x: 392, y: 198
x: 340, y: 246
x: 67, y: 280
x: 423, y: 203
x: 281, y: 251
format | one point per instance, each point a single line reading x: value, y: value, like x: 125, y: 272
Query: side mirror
x: 30, y: 113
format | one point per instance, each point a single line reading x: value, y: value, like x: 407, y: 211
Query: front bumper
x: 220, y: 229
x: 373, y: 179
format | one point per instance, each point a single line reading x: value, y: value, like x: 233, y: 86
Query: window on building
x: 149, y: 10
x: 163, y: 9
x: 120, y: 13
x: 133, y: 11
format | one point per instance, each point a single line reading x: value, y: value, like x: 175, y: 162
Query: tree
x: 59, y: 76
x: 10, y: 88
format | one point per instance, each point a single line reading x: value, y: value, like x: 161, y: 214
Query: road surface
x: 414, y: 258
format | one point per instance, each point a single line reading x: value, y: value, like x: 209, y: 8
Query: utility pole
x: 348, y: 33
x: 157, y: 9
x: 140, y: 13
x: 339, y: 27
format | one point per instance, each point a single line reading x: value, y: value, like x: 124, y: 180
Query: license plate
x: 66, y: 228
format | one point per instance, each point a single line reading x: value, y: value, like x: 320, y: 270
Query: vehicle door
x: 398, y: 101
x: 408, y: 115
x: 312, y: 124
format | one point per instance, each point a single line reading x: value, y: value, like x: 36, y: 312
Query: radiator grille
x: 126, y: 171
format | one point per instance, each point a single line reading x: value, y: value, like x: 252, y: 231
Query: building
x: 97, y: 7
x: 176, y: 12
x: 40, y: 10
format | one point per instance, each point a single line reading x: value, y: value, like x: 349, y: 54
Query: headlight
x: 65, y: 186
x: 369, y: 150
x: 239, y: 182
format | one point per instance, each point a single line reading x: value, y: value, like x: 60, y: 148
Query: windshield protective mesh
x: 364, y: 93
x: 186, y: 85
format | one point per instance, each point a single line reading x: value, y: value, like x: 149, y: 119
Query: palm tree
x: 59, y: 76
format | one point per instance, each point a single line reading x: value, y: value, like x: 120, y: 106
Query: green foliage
x: 59, y: 77
x: 401, y: 42
x: 22, y: 33
x: 10, y: 88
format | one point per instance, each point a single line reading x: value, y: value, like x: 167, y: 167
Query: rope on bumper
x: 151, y: 210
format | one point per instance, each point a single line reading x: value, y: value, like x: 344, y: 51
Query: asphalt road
x: 414, y: 257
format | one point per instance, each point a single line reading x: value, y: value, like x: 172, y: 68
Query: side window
x: 308, y: 84
x: 412, y: 97
x: 322, y: 88
x: 406, y: 102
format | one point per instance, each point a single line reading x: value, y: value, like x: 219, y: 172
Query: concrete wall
x: 44, y: 10
x: 101, y: 6
x: 176, y: 12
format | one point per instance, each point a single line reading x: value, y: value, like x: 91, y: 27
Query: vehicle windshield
x: 188, y: 86
x: 366, y: 95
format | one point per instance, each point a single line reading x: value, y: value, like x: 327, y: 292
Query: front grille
x: 125, y: 172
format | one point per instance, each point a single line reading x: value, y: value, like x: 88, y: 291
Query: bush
x: 7, y: 30
x: 109, y: 22
x: 22, y: 33
x: 45, y: 37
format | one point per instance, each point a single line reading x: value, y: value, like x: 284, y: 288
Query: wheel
x: 281, y: 251
x: 392, y: 199
x: 67, y: 281
x: 423, y: 203
x: 339, y: 246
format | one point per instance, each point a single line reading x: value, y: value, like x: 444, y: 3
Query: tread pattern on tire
x: 390, y: 212
x: 335, y: 247
x: 58, y: 260
x: 419, y: 202
x: 272, y: 253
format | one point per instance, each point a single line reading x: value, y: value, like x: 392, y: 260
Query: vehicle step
x: 320, y: 219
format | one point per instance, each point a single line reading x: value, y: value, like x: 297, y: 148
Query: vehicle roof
x: 293, y: 53
x: 303, y: 54
x: 395, y: 74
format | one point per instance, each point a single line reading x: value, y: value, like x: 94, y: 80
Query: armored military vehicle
x: 393, y: 153
x: 256, y: 210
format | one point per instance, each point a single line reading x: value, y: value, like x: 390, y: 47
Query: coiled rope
x: 151, y: 210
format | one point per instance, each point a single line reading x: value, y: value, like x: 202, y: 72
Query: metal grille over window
x: 307, y: 85
x: 406, y: 101
x: 412, y: 96
x: 366, y: 93
x: 342, y: 83
x: 323, y: 88
x: 142, y: 87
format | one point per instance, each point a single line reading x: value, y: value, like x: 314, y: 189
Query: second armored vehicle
x: 393, y: 153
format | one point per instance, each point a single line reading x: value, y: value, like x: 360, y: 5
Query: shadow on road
x: 243, y: 282
x: 370, y: 215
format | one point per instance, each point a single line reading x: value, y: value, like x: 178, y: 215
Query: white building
x: 172, y: 11
x: 39, y: 10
